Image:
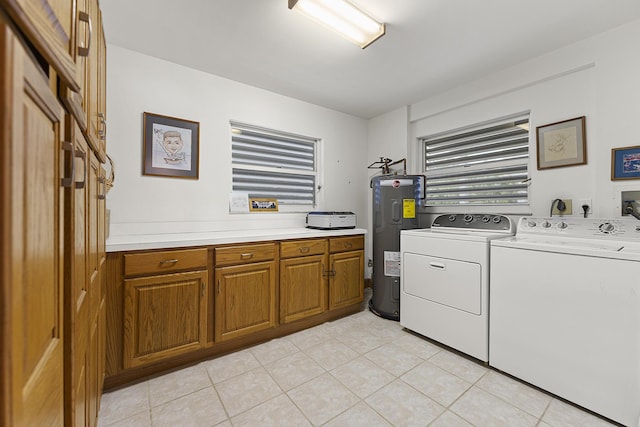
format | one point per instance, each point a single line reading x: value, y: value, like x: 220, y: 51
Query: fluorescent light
x: 342, y: 17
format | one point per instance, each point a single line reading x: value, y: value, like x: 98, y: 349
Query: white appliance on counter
x: 445, y: 280
x: 565, y: 311
x: 331, y: 220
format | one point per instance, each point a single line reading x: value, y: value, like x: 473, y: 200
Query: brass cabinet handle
x: 348, y: 245
x: 218, y: 286
x: 304, y: 249
x: 102, y: 132
x: 102, y: 180
x: 202, y: 286
x: 247, y: 255
x: 79, y: 154
x: 67, y: 182
x: 85, y: 17
x: 328, y: 273
x: 168, y: 261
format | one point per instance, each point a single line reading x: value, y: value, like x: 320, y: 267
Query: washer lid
x: 574, y: 246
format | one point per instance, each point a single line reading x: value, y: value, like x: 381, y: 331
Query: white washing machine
x: 445, y: 280
x: 565, y: 311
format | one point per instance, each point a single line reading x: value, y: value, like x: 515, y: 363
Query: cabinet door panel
x: 245, y: 299
x: 164, y: 316
x: 32, y: 253
x: 346, y: 286
x: 302, y: 287
x: 48, y: 24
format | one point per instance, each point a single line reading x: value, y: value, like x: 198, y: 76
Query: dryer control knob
x: 452, y: 218
x: 562, y: 225
x: 468, y: 218
x: 486, y: 218
x: 607, y: 227
x: 546, y: 224
x: 496, y: 219
x: 531, y: 224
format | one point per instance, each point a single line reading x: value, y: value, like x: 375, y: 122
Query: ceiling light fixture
x: 342, y: 17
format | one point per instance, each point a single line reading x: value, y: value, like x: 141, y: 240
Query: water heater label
x: 392, y: 264
x: 408, y: 208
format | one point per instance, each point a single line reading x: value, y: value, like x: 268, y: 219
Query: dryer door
x: 444, y: 281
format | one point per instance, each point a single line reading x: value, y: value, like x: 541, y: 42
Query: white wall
x: 146, y: 204
x: 596, y: 78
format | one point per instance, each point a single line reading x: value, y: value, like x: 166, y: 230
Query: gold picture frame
x: 625, y: 163
x: 261, y: 204
x: 562, y: 144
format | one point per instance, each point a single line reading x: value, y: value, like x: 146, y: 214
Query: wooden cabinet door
x: 95, y: 104
x: 77, y: 300
x: 245, y: 299
x: 302, y: 287
x: 49, y: 25
x: 96, y: 264
x: 102, y: 91
x: 32, y: 270
x: 346, y: 284
x: 164, y: 316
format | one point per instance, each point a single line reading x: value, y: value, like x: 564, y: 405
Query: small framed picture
x: 562, y: 144
x: 263, y: 205
x: 625, y: 163
x: 171, y: 147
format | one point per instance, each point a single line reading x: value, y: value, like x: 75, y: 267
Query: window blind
x: 485, y: 165
x: 273, y: 164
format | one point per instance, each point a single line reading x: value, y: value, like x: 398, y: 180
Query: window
x: 273, y: 164
x: 482, y: 165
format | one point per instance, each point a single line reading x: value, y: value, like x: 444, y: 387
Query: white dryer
x: 445, y: 280
x: 565, y: 311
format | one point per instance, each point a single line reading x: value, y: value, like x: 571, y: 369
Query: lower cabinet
x: 164, y: 314
x: 346, y: 282
x: 164, y: 311
x: 245, y: 293
x: 303, y: 279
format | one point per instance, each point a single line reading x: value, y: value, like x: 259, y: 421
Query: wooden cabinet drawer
x: 296, y: 248
x: 242, y: 254
x: 164, y: 261
x: 350, y: 243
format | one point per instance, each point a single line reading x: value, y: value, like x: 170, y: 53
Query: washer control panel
x: 480, y: 222
x: 581, y: 227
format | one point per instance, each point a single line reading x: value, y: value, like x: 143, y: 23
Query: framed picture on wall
x: 562, y: 144
x: 171, y: 147
x: 625, y: 163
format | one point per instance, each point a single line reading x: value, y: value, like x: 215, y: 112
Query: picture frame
x: 625, y: 163
x: 562, y: 143
x: 262, y: 204
x: 170, y: 147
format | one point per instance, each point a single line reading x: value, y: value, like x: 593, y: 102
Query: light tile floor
x: 357, y: 371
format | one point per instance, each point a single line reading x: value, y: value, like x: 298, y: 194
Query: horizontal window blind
x: 273, y: 164
x: 486, y: 165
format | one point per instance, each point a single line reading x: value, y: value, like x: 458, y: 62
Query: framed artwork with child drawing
x: 171, y: 147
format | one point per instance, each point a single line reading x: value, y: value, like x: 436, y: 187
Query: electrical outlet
x: 628, y: 196
x: 568, y: 210
x: 580, y: 204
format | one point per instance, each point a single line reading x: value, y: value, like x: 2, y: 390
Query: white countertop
x: 176, y: 240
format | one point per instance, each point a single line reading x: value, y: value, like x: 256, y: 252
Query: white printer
x: 331, y: 220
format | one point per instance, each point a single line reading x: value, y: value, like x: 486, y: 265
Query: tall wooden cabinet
x: 52, y: 229
x: 32, y: 313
